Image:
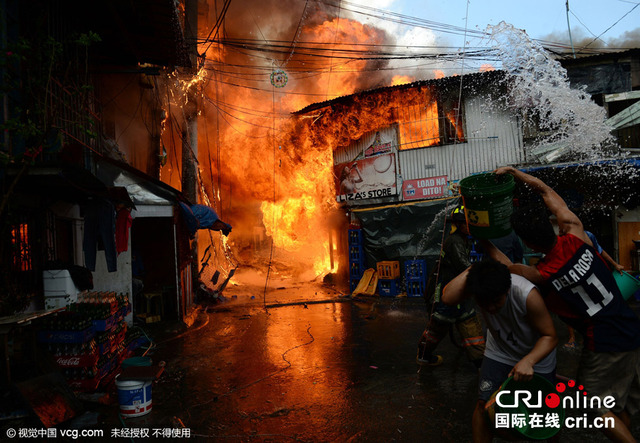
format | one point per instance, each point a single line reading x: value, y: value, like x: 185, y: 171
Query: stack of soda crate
x: 70, y: 339
x: 87, y: 340
x: 389, y: 283
x: 357, y: 263
x: 415, y: 275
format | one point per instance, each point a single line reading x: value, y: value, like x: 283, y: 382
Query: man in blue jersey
x: 581, y: 290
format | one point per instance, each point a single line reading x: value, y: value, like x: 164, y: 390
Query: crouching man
x: 521, y: 338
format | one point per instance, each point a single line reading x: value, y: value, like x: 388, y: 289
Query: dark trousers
x: 100, y: 222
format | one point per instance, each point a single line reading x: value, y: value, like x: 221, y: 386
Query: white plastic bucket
x: 134, y: 397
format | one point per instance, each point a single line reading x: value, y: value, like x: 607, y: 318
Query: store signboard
x: 423, y: 188
x: 371, y: 177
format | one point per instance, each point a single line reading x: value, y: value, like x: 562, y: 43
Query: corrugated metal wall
x: 494, y: 139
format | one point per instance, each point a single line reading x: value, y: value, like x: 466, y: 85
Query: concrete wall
x: 119, y: 281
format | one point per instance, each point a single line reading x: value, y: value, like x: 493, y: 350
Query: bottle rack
x: 87, y: 339
x: 389, y: 287
x: 415, y: 274
x: 357, y: 262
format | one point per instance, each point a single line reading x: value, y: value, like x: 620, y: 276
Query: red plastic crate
x: 77, y: 361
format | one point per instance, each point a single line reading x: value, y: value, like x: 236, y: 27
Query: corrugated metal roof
x: 441, y: 82
x: 567, y: 59
x: 632, y: 161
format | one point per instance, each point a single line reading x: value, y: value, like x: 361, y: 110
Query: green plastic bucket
x: 627, y: 283
x: 488, y: 204
x: 539, y: 388
x: 136, y: 361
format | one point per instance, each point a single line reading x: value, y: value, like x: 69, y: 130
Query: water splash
x: 571, y: 124
x: 437, y: 223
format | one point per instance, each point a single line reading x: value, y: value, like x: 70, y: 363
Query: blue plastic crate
x: 475, y: 257
x: 355, y: 236
x: 415, y: 288
x: 356, y: 269
x: 388, y: 288
x: 45, y: 336
x: 107, y: 323
x: 415, y: 270
x: 356, y: 253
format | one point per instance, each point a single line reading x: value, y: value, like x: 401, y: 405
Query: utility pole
x: 190, y: 125
x: 569, y: 28
x: 190, y: 136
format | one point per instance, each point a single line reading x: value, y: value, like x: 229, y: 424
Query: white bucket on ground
x: 134, y: 397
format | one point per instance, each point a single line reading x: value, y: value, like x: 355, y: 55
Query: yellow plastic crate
x: 388, y: 270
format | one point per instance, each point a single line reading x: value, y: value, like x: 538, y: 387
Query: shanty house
x: 82, y: 152
x: 399, y: 149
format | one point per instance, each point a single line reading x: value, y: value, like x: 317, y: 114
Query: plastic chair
x: 154, y: 304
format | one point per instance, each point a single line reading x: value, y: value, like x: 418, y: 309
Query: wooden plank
x: 629, y: 95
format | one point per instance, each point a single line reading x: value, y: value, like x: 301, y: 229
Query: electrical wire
x: 216, y: 28
x: 402, y: 19
x: 607, y: 30
x: 283, y: 355
x: 297, y: 33
x: 569, y: 29
x: 222, y: 111
x: 135, y: 113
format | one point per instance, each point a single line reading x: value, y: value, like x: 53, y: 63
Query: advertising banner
x: 422, y: 188
x: 382, y: 142
x: 372, y: 177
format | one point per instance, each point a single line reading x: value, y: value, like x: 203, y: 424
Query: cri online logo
x: 552, y: 400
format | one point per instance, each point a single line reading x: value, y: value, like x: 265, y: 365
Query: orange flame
x: 401, y: 79
x: 256, y: 157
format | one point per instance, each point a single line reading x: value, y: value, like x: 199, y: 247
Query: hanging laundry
x: 99, y: 223
x: 123, y: 223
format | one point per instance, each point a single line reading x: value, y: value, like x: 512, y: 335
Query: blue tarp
x: 203, y: 217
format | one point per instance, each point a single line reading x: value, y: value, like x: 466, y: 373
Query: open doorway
x: 154, y: 262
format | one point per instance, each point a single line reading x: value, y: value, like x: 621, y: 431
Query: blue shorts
x: 493, y: 374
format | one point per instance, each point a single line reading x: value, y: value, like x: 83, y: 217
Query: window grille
x: 433, y: 123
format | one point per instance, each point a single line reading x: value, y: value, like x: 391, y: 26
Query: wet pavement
x: 269, y: 367
x: 340, y: 370
x: 304, y: 362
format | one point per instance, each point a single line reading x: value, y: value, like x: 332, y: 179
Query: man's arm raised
x: 568, y: 222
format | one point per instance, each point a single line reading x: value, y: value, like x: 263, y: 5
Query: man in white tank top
x: 521, y: 338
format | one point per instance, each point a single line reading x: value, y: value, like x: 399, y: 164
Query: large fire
x: 259, y: 157
x: 267, y: 170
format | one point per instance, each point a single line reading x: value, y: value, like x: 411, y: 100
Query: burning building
x: 397, y: 150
